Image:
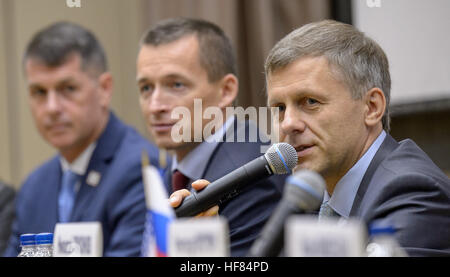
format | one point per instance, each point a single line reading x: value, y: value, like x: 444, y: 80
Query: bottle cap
x: 44, y: 238
x: 28, y: 239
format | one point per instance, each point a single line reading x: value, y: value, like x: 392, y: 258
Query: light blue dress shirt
x: 80, y: 164
x: 346, y: 188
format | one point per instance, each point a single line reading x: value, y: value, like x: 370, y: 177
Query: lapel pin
x: 93, y: 179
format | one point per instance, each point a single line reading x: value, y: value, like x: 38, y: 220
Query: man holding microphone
x: 331, y: 84
x: 182, y: 61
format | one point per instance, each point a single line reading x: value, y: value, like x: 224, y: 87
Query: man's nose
x: 159, y: 102
x: 53, y: 103
x: 292, y: 121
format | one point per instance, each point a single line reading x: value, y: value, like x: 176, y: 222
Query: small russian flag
x: 159, y: 214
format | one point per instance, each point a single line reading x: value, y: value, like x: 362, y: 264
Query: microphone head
x: 305, y: 188
x: 281, y: 157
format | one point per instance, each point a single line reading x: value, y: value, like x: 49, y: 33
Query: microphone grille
x: 306, y: 188
x: 281, y: 157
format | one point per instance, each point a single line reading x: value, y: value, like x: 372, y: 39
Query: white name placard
x: 305, y: 236
x: 78, y: 239
x: 199, y: 237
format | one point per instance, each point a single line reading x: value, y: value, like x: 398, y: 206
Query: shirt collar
x: 80, y: 164
x: 346, y: 188
x: 194, y: 164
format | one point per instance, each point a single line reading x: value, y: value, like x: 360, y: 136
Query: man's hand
x: 177, y: 197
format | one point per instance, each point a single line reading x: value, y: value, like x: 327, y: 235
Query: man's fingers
x: 177, y: 197
x: 210, y: 212
x: 200, y: 184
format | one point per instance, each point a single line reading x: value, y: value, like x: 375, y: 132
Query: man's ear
x: 229, y: 87
x: 375, y: 106
x: 106, y: 88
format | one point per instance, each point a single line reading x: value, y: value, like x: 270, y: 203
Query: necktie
x: 179, y: 181
x: 326, y: 211
x: 67, y: 195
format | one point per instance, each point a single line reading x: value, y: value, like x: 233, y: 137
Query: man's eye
x: 69, y: 88
x: 311, y: 101
x: 279, y: 107
x: 38, y: 92
x: 145, y: 89
x: 178, y: 85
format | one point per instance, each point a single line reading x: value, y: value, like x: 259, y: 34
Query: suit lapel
x: 219, y: 166
x: 227, y: 156
x: 167, y: 177
x: 388, y: 145
x: 222, y: 165
x: 231, y: 155
x: 103, y: 154
x: 53, y: 184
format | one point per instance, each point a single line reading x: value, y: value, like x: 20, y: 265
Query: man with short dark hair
x: 97, y: 174
x: 184, y: 61
x: 331, y: 84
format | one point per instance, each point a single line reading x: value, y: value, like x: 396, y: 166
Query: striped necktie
x: 326, y: 211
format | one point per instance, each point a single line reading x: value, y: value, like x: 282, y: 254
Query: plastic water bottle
x: 383, y: 242
x: 28, y: 245
x: 44, y: 245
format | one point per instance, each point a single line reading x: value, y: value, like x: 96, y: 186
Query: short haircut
x: 355, y: 59
x: 215, y: 49
x: 56, y: 43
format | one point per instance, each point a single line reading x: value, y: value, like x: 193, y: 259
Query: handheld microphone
x: 303, y: 193
x: 280, y: 158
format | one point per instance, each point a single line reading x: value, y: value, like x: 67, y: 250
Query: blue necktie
x: 67, y: 195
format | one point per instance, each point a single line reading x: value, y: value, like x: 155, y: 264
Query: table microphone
x: 303, y: 193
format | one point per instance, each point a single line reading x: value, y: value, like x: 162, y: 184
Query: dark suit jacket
x: 249, y: 210
x: 403, y: 187
x: 117, y: 201
x: 7, y: 196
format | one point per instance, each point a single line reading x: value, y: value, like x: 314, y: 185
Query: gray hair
x: 355, y: 59
x: 215, y: 49
x: 54, y: 44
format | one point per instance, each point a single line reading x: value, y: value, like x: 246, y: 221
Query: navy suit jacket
x: 117, y: 202
x: 249, y: 210
x: 7, y: 197
x: 403, y: 187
